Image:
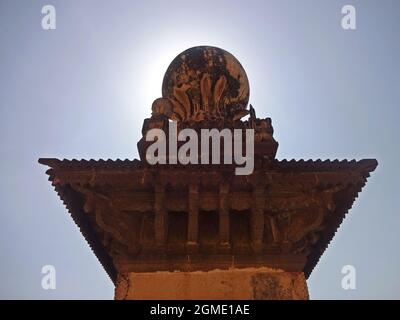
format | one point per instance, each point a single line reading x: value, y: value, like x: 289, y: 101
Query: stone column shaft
x: 224, y: 217
x: 193, y: 218
x: 161, y: 216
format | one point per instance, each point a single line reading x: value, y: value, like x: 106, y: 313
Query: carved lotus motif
x: 204, y: 83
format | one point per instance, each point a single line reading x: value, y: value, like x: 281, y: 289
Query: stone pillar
x: 161, y: 216
x: 257, y: 219
x: 193, y: 219
x: 224, y: 244
x: 233, y: 284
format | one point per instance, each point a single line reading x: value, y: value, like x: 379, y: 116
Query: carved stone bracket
x: 109, y: 219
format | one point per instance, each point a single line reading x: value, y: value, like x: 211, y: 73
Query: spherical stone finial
x: 206, y: 82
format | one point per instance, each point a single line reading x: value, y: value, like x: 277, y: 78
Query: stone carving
x: 110, y: 220
x: 205, y: 83
x: 141, y: 218
x: 263, y: 130
x: 281, y: 224
x: 206, y: 87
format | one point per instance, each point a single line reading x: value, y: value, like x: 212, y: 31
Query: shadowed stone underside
x: 139, y: 218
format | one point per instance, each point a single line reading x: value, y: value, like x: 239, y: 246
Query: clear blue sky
x: 83, y: 90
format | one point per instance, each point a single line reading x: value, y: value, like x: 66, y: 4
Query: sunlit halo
x: 143, y: 75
